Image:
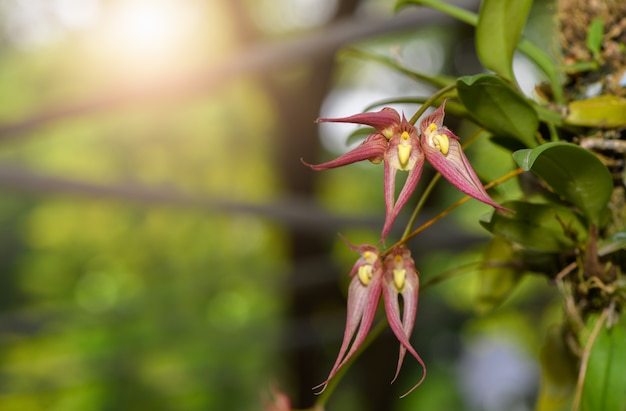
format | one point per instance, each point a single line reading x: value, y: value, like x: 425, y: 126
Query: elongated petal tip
x: 381, y: 120
x: 455, y: 167
x: 372, y: 148
x: 362, y: 303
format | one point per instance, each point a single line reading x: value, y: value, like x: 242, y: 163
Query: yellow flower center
x: 398, y: 278
x: 399, y: 274
x: 442, y: 142
x: 365, y: 274
x: 404, y: 149
x: 387, y: 132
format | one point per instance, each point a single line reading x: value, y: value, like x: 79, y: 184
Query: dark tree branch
x: 293, y: 212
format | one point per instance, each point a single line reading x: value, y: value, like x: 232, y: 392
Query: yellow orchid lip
x: 442, y: 142
x: 398, y: 278
x: 365, y: 274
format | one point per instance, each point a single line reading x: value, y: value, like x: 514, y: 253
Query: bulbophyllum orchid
x: 402, y: 147
x: 372, y: 277
x: 395, y: 141
x: 443, y: 150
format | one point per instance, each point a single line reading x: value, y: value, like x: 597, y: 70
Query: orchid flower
x: 363, y: 296
x: 443, y: 150
x: 398, y: 143
x: 401, y: 278
x: 394, y: 276
x: 395, y: 141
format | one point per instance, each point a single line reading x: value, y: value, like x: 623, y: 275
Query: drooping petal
x: 383, y: 120
x: 401, y: 278
x: 444, y: 152
x: 404, y: 153
x: 372, y: 148
x: 390, y: 194
x: 363, y: 297
x: 409, y: 187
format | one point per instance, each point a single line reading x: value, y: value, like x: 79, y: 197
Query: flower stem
x: 431, y: 101
x: 445, y: 212
x: 430, y: 187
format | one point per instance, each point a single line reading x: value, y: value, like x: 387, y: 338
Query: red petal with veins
x: 372, y: 148
x: 380, y: 120
x: 456, y: 168
x: 362, y: 304
x: 402, y: 328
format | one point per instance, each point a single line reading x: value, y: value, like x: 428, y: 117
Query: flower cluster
x: 398, y: 143
x: 392, y: 274
x: 373, y: 276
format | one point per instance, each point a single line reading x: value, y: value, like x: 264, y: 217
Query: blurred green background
x: 161, y: 245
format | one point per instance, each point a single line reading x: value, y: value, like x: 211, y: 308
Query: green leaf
x: 594, y: 36
x: 604, y: 388
x: 573, y: 173
x: 541, y: 227
x: 500, y: 24
x: 499, y: 274
x: 601, y: 111
x: 499, y: 108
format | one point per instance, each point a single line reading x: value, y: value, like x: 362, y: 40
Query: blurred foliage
x: 109, y: 304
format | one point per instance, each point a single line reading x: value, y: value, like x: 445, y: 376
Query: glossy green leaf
x: 543, y: 227
x: 600, y: 111
x: 500, y: 24
x: 559, y: 369
x: 499, y: 273
x: 499, y: 108
x: 573, y: 173
x: 542, y: 59
x: 604, y: 388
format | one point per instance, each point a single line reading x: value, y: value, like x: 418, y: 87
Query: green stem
x: 445, y: 212
x: 431, y: 101
x: 437, y: 80
x: 420, y: 204
x: 452, y: 11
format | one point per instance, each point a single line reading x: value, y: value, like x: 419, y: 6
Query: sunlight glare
x: 149, y: 31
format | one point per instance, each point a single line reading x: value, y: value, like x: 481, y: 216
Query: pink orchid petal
x: 372, y: 148
x: 381, y: 120
x: 414, y: 165
x: 436, y: 117
x: 390, y: 194
x: 410, y: 291
x: 409, y: 187
x: 362, y: 305
x: 456, y: 168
